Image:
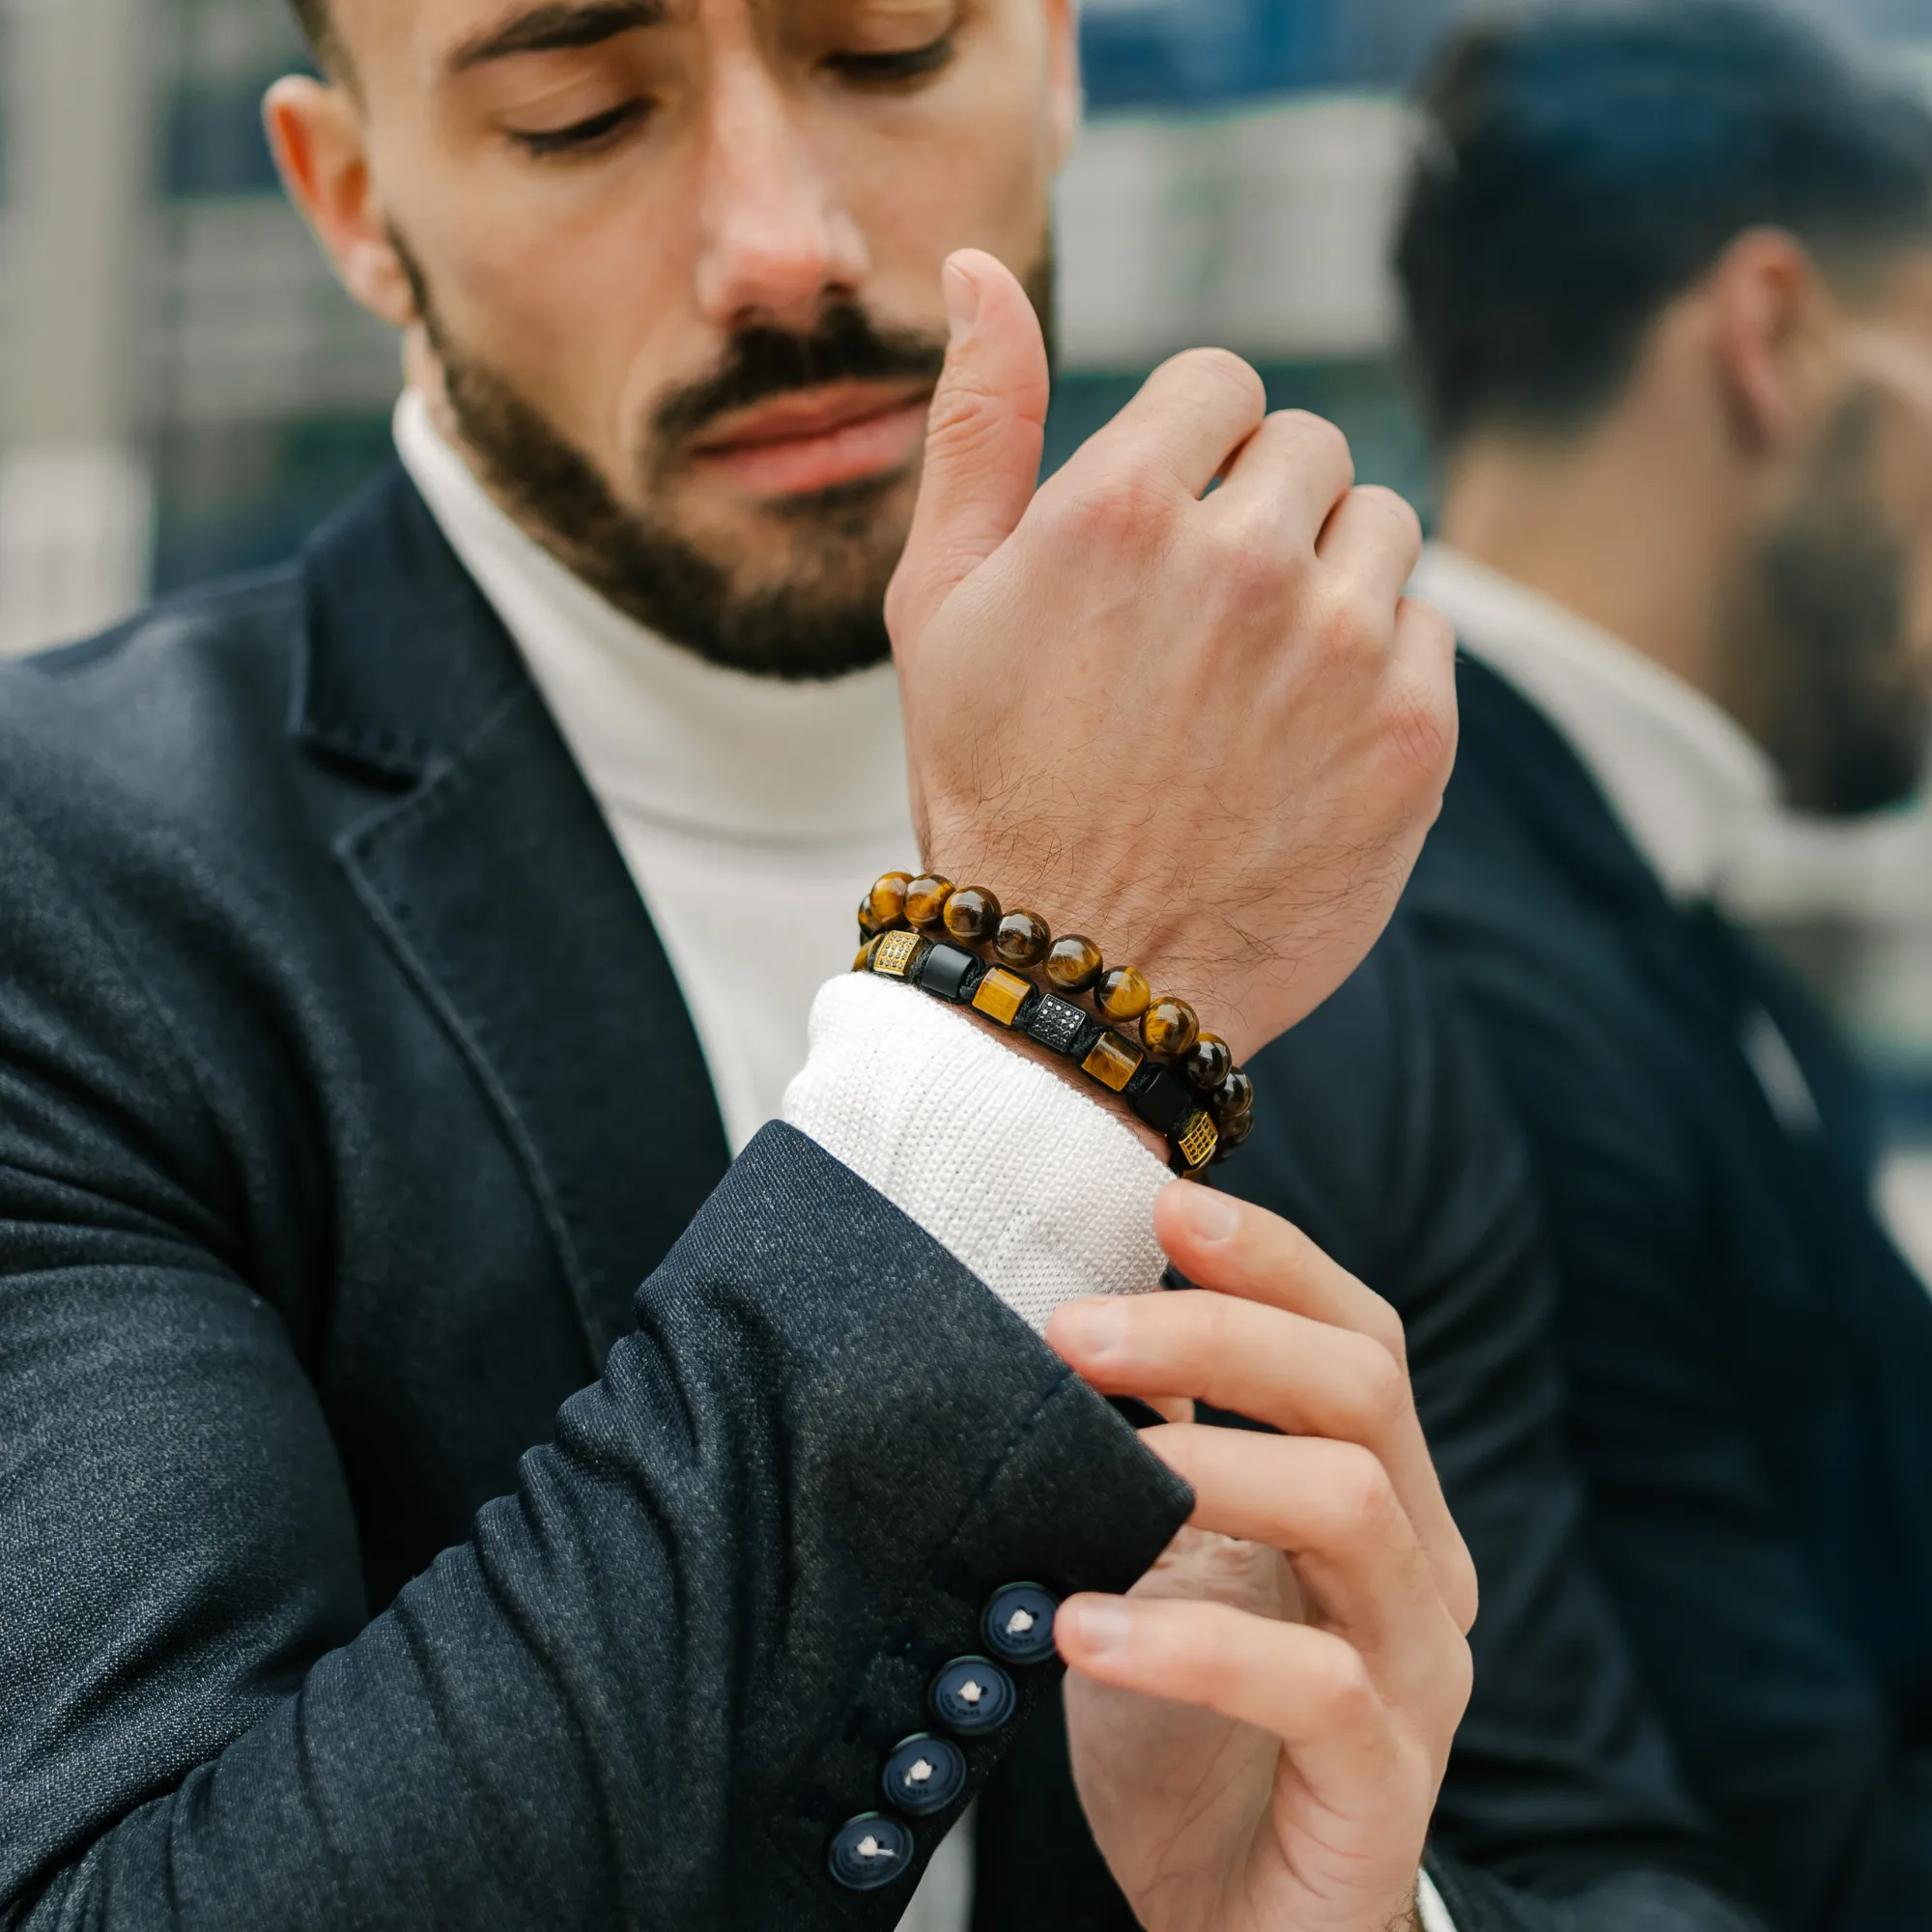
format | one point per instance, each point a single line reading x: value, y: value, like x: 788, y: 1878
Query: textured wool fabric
x: 1044, y: 1194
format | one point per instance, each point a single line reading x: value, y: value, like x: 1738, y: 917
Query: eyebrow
x: 555, y: 28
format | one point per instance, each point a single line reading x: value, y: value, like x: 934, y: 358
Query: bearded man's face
x: 1827, y: 633
x: 671, y: 269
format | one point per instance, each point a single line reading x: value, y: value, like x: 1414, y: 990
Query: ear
x: 1067, y: 102
x: 1775, y: 335
x: 315, y: 130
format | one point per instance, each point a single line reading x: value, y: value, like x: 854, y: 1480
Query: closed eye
x: 581, y: 136
x: 885, y: 69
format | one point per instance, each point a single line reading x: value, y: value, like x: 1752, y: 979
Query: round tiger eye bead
x: 1233, y: 1099
x: 865, y: 957
x: 884, y: 906
x: 926, y: 900
x: 1022, y: 940
x: 1124, y: 995
x: 1208, y: 1061
x: 972, y: 914
x: 1171, y: 1027
x: 1073, y: 965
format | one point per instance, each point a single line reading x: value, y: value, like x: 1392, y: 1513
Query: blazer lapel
x: 492, y: 874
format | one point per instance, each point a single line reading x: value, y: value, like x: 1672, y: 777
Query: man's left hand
x: 1259, y: 1728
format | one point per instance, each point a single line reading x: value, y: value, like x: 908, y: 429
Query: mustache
x: 761, y: 363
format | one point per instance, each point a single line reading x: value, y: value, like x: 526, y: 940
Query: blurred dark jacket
x: 1749, y: 1357
x: 346, y: 1095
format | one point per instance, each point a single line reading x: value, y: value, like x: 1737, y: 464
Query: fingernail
x: 1094, y: 1329
x: 1100, y: 1624
x: 962, y: 302
x: 1211, y: 1216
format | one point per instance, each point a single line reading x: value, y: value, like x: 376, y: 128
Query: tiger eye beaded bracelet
x: 1179, y: 1080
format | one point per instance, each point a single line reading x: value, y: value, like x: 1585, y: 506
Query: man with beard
x: 1668, y: 269
x: 398, y: 948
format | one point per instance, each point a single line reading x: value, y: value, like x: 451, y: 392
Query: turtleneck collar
x: 660, y: 735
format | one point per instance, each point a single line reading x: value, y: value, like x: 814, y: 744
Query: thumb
x: 983, y: 439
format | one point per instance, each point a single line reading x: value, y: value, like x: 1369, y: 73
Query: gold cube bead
x: 1001, y: 996
x: 1113, y: 1063
x: 1197, y: 1138
x: 897, y: 954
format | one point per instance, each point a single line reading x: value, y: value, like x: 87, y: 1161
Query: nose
x: 776, y: 244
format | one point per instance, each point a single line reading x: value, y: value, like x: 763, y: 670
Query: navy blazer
x: 377, y: 1554
x: 1749, y: 1357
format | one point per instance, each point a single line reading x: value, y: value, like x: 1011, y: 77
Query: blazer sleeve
x: 656, y: 1679
x: 1779, y: 1726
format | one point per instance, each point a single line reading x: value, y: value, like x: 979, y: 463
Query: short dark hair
x: 1584, y: 166
x: 317, y: 27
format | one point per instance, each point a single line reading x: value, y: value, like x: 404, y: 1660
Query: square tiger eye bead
x: 897, y: 954
x: 1002, y: 996
x: 1112, y: 1062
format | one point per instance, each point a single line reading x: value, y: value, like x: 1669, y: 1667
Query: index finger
x: 1234, y: 1248
x: 1191, y: 417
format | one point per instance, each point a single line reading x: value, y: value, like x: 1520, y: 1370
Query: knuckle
x: 1344, y: 624
x: 1396, y: 510
x: 1125, y: 504
x: 1317, y: 439
x: 1384, y: 1326
x: 1221, y: 371
x: 1420, y: 728
x: 1361, y: 1492
x: 1342, y: 1687
x: 1382, y: 1389
x: 1252, y: 562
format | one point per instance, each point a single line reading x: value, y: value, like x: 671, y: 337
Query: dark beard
x: 829, y: 617
x: 1819, y: 653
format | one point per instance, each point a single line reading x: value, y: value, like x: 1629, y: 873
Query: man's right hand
x: 1206, y: 729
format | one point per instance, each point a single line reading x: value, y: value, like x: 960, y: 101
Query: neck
x: 1634, y: 544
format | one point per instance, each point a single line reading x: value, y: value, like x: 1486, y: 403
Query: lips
x: 817, y: 438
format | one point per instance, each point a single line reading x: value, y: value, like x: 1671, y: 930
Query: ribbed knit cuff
x: 1044, y: 1194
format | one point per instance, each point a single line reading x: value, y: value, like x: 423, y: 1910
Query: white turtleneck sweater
x: 753, y: 814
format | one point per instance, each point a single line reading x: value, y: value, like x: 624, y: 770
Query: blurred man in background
x: 400, y: 947
x: 1668, y: 273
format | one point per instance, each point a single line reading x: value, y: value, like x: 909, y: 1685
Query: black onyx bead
x: 1018, y: 1623
x: 1161, y: 1098
x: 1208, y: 1062
x: 973, y: 1695
x: 924, y: 1774
x: 870, y: 1851
x: 950, y: 973
x: 1062, y: 1026
x: 1234, y: 1097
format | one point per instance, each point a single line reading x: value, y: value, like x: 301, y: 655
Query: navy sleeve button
x: 924, y: 1774
x: 972, y: 1696
x: 1018, y: 1624
x: 871, y: 1851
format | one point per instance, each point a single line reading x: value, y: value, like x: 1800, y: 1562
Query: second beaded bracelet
x: 1203, y: 1105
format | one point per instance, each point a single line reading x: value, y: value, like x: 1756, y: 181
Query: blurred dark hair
x: 315, y: 24
x: 1584, y: 166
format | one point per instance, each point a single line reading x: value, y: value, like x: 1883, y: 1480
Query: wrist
x: 1146, y: 1050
